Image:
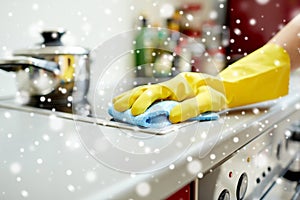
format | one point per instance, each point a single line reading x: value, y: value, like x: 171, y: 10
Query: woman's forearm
x: 289, y: 38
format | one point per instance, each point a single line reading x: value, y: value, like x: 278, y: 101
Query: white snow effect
x: 149, y: 93
x: 22, y: 97
x: 132, y: 175
x: 236, y: 139
x: 252, y: 22
x: 24, y: 193
x: 70, y: 98
x: 131, y: 7
x: 237, y: 31
x: 55, y: 123
x: 277, y: 62
x: 69, y: 172
x: 42, y: 99
x: 7, y: 115
x: 190, y: 17
x: 90, y: 176
x: 107, y: 11
x: 141, y: 143
x: 194, y: 167
x: 18, y: 179
x: 213, y: 14
x: 189, y: 158
x: 200, y: 175
x: 279, y: 181
x: 35, y: 6
x: 72, y: 143
x: 262, y: 2
x: 192, y: 139
x: 15, y: 168
x: 235, y: 73
x: 71, y: 188
x: 157, y: 151
x: 261, y: 160
x: 39, y: 161
x: 204, y: 135
x: 212, y: 156
x: 62, y: 90
x: 46, y: 137
x: 256, y: 111
x: 143, y: 189
x: 172, y: 166
x: 84, y: 18
x: 147, y: 150
x: 166, y: 10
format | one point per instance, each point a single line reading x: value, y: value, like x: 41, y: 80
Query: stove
x: 252, y: 152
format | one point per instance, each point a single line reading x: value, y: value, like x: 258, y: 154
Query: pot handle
x: 53, y: 37
x: 20, y: 62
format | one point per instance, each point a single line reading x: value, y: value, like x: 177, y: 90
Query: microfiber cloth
x: 156, y: 116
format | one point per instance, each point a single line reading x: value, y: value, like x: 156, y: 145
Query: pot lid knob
x: 53, y: 37
x: 294, y: 132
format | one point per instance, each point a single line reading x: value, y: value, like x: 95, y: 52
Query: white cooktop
x: 46, y: 155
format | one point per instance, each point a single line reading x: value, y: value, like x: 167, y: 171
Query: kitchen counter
x: 51, y: 155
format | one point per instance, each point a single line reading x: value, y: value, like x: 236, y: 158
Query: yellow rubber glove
x: 195, y: 88
x: 260, y: 76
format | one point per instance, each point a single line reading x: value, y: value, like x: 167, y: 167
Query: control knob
x: 224, y: 195
x: 242, y: 186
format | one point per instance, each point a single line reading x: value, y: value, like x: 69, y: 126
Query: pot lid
x: 52, y: 45
x: 52, y: 50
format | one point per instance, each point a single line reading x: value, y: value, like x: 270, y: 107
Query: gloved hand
x: 260, y: 76
x: 201, y: 93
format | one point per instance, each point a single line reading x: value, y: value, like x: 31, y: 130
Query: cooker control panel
x: 224, y: 195
x: 250, y: 172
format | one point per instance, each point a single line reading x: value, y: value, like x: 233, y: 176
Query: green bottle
x: 143, y: 50
x: 163, y: 57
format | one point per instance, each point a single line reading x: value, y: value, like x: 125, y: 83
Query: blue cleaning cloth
x: 156, y: 116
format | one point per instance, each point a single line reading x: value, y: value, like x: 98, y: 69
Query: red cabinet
x: 182, y: 194
x: 253, y: 22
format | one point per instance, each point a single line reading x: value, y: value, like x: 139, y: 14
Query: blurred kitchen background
x: 184, y: 35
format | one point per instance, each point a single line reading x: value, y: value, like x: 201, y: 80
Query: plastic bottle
x: 143, y: 50
x: 163, y: 57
